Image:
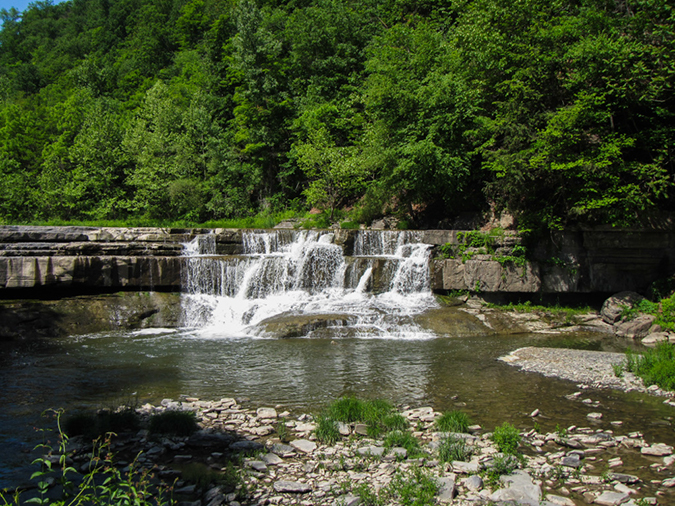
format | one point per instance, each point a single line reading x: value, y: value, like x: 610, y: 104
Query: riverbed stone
x: 637, y: 328
x: 518, y: 487
x: 473, y: 483
x: 446, y: 488
x: 623, y: 478
x: 609, y: 498
x: 266, y: 413
x: 304, y: 445
x: 293, y: 487
x: 657, y: 450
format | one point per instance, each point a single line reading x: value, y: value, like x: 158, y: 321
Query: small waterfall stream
x: 303, y: 278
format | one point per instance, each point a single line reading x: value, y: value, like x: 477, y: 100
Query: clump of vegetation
x: 555, y: 314
x: 655, y: 367
x: 500, y: 465
x: 402, y: 439
x: 378, y: 415
x: 453, y: 448
x: 93, y: 425
x: 326, y: 429
x: 453, y: 421
x: 178, y: 423
x: 507, y: 438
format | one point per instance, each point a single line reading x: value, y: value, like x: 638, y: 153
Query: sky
x: 20, y: 5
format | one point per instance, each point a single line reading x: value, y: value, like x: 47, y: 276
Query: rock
x: 282, y: 450
x: 594, y: 416
x: 560, y: 500
x: 344, y: 429
x: 348, y: 500
x: 361, y: 429
x: 657, y: 450
x: 293, y: 487
x: 257, y: 465
x: 272, y: 459
x: 623, y: 478
x: 266, y: 413
x: 241, y: 446
x: 573, y: 461
x: 637, y: 328
x: 303, y: 445
x: 473, y: 483
x: 399, y: 453
x: 669, y: 483
x: 518, y: 487
x: 446, y: 489
x: 608, y: 498
x: 534, y: 413
x: 465, y: 467
x: 373, y: 451
x: 613, y: 307
x: 655, y: 338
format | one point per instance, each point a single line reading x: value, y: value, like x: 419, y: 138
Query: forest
x: 560, y: 112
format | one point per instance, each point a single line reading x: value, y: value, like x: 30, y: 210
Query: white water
x: 283, y: 273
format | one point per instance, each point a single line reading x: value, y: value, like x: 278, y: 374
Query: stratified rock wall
x: 102, y: 258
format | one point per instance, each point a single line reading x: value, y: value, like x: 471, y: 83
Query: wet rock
x: 241, y: 446
x: 286, y: 326
x: 623, y: 478
x: 573, y: 461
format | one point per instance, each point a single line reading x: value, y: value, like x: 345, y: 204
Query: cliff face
x: 91, y: 259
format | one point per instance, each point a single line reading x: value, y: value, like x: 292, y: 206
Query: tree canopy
x: 559, y: 111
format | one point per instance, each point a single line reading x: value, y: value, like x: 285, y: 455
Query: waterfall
x: 304, y: 276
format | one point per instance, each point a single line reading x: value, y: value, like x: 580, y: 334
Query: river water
x: 224, y: 351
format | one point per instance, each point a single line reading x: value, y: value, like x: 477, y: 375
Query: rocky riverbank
x: 276, y: 458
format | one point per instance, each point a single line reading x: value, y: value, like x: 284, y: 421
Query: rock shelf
x: 573, y: 466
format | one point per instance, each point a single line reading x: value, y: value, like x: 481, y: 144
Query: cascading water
x: 304, y: 274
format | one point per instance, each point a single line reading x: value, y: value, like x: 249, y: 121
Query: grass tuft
x: 178, y: 423
x: 507, y: 438
x: 453, y: 421
x: 655, y: 367
x: 453, y: 448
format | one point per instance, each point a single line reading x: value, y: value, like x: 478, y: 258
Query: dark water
x: 301, y: 374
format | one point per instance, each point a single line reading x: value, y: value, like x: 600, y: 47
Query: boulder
x: 615, y: 305
x: 637, y: 328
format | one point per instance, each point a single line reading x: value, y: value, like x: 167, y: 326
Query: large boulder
x: 617, y: 303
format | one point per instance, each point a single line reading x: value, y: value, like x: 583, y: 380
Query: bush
x: 453, y: 421
x: 178, y: 423
x: 507, y: 438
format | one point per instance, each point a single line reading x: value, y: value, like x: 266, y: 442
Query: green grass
x: 655, y: 367
x: 178, y: 423
x: 402, y: 439
x: 453, y: 448
x: 501, y: 465
x: 453, y: 421
x: 507, y: 438
x: 377, y: 414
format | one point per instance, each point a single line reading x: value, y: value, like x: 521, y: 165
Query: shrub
x: 453, y: 421
x: 98, y: 424
x: 507, y: 438
x: 178, y: 423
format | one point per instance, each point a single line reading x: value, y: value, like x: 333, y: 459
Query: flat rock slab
x: 241, y: 446
x: 465, y: 467
x: 292, y: 487
x: 611, y: 498
x: 303, y: 445
x: 374, y: 451
x: 518, y: 487
x: 657, y: 450
x: 266, y: 413
x: 272, y: 459
x: 283, y: 450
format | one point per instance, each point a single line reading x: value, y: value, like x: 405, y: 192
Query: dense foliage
x: 558, y: 110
